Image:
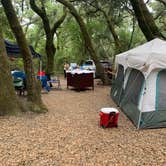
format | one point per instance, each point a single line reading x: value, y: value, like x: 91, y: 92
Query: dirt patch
x: 69, y: 134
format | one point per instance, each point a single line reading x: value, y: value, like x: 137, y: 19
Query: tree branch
x: 59, y: 22
x: 132, y: 33
x: 163, y: 2
x: 160, y: 14
x: 37, y: 10
x: 147, y: 1
x: 43, y: 15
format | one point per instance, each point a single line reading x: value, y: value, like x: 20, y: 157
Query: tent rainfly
x: 13, y: 50
x: 140, y: 84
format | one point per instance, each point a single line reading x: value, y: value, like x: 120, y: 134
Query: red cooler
x: 109, y: 117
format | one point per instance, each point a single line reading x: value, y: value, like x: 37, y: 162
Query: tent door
x: 161, y: 90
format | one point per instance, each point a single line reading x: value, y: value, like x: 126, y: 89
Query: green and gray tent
x: 140, y: 84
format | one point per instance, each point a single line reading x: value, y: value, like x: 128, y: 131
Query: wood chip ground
x: 69, y: 135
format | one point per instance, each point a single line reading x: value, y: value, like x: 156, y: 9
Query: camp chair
x: 19, y: 85
x: 55, y: 80
x: 44, y: 83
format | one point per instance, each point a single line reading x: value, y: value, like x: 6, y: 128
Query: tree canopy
x: 113, y: 26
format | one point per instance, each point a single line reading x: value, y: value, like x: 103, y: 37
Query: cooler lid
x: 109, y: 110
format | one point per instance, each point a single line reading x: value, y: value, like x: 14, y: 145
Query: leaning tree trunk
x: 113, y: 32
x: 145, y: 20
x: 33, y: 88
x: 88, y: 43
x: 8, y: 100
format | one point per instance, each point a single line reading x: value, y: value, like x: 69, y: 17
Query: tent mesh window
x: 161, y: 91
x: 127, y: 73
x: 117, y: 86
x: 120, y: 74
x: 133, y: 87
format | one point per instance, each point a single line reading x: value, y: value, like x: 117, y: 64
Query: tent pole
x: 40, y: 68
x: 142, y: 106
x: 139, y: 120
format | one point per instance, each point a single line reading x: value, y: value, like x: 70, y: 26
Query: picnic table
x: 80, y: 79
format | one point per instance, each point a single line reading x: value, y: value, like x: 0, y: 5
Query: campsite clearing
x: 69, y: 134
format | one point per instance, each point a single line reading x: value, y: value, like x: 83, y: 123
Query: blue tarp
x: 13, y: 50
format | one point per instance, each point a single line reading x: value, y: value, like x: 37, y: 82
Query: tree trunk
x: 145, y: 20
x: 50, y: 47
x: 132, y: 33
x: 114, y: 34
x: 8, y: 100
x: 50, y: 51
x: 88, y: 43
x: 33, y: 88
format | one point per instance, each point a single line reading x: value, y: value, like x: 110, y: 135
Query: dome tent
x: 139, y: 87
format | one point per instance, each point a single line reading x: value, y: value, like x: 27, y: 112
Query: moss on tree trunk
x: 33, y: 89
x: 9, y: 103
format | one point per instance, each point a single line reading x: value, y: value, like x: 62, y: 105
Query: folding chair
x: 55, y: 80
x: 19, y: 85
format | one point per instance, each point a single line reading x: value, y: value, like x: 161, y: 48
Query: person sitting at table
x: 111, y: 74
